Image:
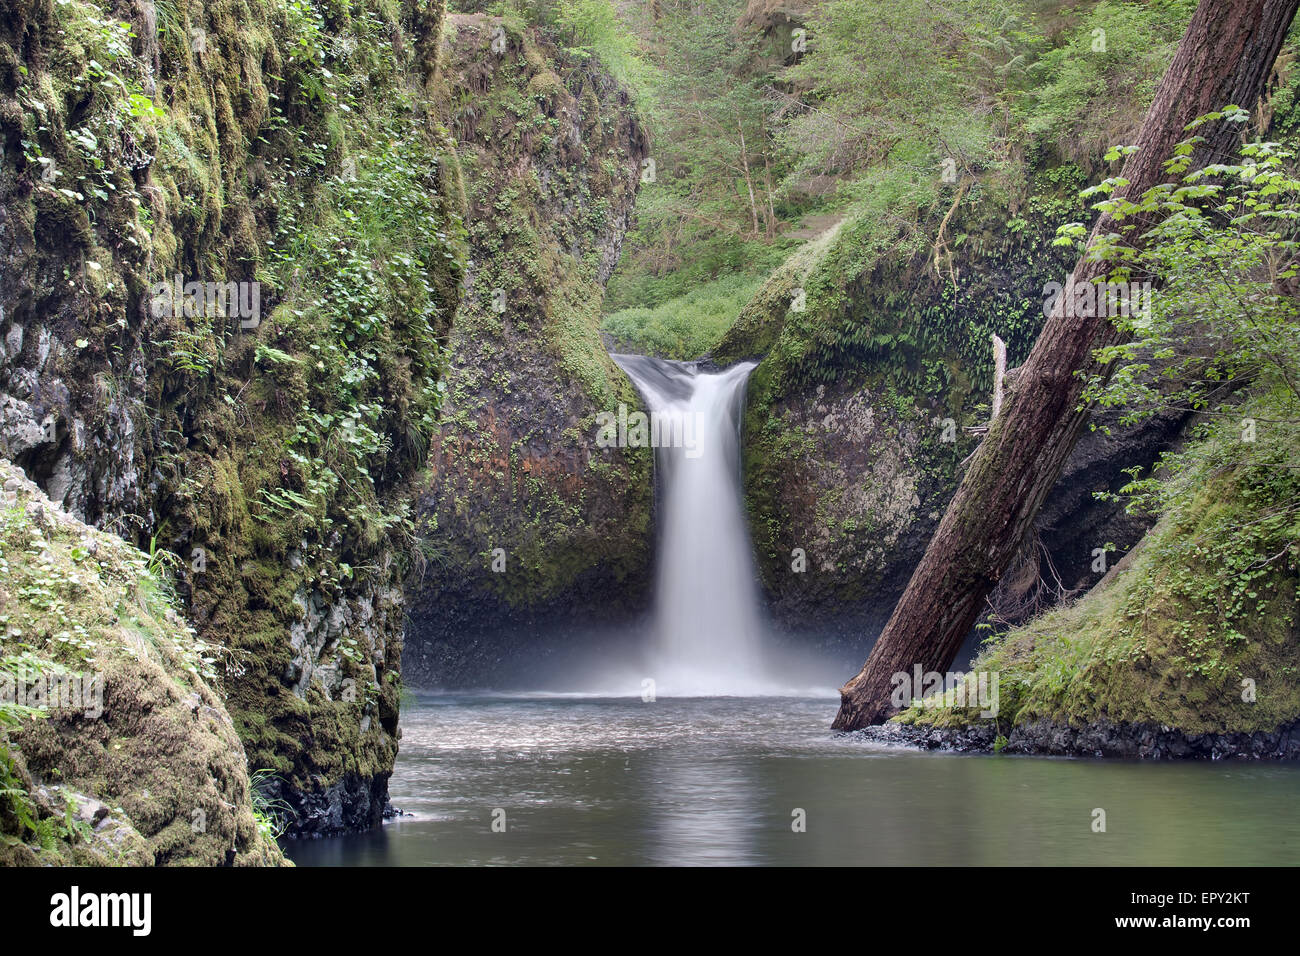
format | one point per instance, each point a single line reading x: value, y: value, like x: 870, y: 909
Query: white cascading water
x: 708, y: 623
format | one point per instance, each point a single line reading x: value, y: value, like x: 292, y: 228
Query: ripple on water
x: 583, y: 780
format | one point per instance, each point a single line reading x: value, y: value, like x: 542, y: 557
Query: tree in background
x: 713, y: 145
x: 906, y: 81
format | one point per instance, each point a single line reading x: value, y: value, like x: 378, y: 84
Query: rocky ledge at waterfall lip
x: 1103, y: 739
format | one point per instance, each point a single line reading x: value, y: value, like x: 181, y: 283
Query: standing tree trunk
x: 767, y: 175
x: 749, y: 183
x: 1224, y: 59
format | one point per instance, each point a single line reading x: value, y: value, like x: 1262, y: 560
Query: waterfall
x: 708, y: 630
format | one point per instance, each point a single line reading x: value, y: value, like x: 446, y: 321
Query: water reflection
x: 714, y: 781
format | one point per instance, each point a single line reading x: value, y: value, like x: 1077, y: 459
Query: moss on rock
x: 1195, y: 629
x: 873, y: 360
x: 132, y: 757
x: 291, y: 146
x: 551, y: 148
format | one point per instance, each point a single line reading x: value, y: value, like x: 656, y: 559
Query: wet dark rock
x: 1134, y: 741
x: 391, y: 812
x: 351, y: 804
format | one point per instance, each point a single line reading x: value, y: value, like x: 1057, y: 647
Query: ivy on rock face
x: 292, y: 145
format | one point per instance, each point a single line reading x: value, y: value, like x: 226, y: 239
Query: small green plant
x: 271, y: 813
x: 15, y: 802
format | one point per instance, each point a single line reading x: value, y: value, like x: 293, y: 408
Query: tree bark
x: 999, y: 374
x: 1223, y: 59
x: 749, y: 184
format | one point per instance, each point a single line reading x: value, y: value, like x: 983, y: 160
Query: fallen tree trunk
x: 1223, y: 59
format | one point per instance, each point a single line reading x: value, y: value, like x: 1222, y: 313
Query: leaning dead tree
x: 1223, y: 59
x: 999, y: 374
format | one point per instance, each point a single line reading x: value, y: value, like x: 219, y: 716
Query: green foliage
x: 77, y: 605
x: 710, y: 113
x: 360, y: 279
x: 15, y: 802
x: 1220, y: 340
x: 1095, y: 84
x: 711, y: 259
x: 593, y: 28
x: 1206, y: 606
x: 684, y: 327
x: 902, y: 300
x: 113, y: 109
x: 286, y: 142
x: 24, y: 823
x: 1224, y: 234
x: 271, y: 814
x: 871, y: 137
x: 878, y: 109
x: 1220, y: 336
x: 886, y: 130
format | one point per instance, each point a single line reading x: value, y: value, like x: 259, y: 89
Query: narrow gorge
x: 472, y: 432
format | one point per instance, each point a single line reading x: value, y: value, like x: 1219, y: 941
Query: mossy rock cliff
x: 270, y: 448
x: 551, y: 149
